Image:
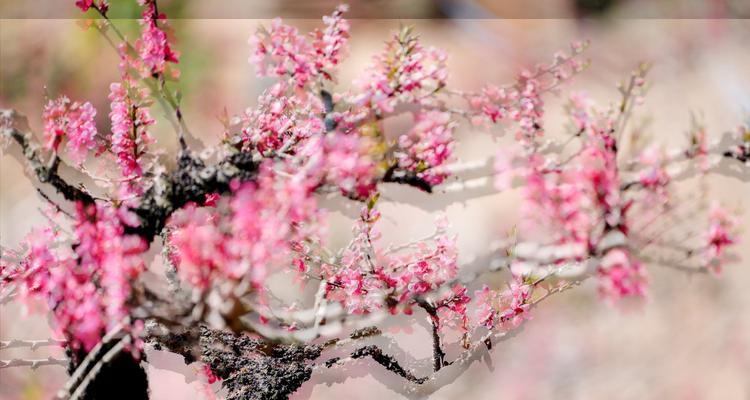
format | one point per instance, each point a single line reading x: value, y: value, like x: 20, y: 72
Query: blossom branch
x: 33, y: 363
x: 45, y: 173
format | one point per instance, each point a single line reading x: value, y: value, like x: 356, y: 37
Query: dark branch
x: 191, y: 182
x: 45, y: 173
x: 438, y: 355
x: 407, y: 178
x: 742, y: 157
x: 386, y: 361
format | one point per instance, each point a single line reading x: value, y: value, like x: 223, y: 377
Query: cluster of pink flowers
x: 620, y: 275
x: 349, y: 164
x: 514, y: 302
x: 368, y: 279
x: 247, y: 233
x: 331, y: 44
x: 84, y: 5
x: 427, y: 146
x: 582, y: 203
x: 105, y: 251
x: 73, y: 121
x: 556, y: 201
x: 197, y: 244
x: 507, y: 308
x: 452, y: 309
x: 281, y: 120
x: 598, y: 163
x: 405, y: 72
x: 69, y: 279
x: 654, y: 177
x: 281, y: 50
x: 129, y: 128
x: 33, y: 264
x: 485, y: 313
x: 719, y: 236
x: 153, y: 46
x: 522, y: 102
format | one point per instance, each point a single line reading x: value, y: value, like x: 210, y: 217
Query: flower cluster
x: 84, y: 5
x: 522, y: 102
x: 654, y: 176
x: 281, y: 120
x: 104, y: 250
x: 620, y: 275
x: 245, y: 234
x: 427, y: 146
x: 349, y: 164
x: 33, y: 263
x: 153, y: 46
x: 507, y: 308
x: 557, y: 202
x: 484, y: 312
x: 331, y: 43
x: 452, y: 309
x: 281, y: 50
x: 87, y: 285
x: 720, y: 235
x: 405, y: 72
x: 129, y: 128
x: 73, y: 121
x: 367, y: 278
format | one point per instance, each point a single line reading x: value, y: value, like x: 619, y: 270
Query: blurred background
x: 691, y: 338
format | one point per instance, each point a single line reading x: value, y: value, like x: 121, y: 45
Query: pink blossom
x: 521, y: 103
x: 369, y: 279
x: 484, y: 312
x: 84, y: 5
x: 331, y: 43
x: 558, y: 201
x: 104, y: 250
x: 654, y: 177
x: 247, y: 233
x: 199, y: 243
x: 87, y: 286
x: 153, y: 46
x: 281, y: 120
x: 73, y: 121
x: 515, y: 303
x: 598, y: 163
x: 349, y: 164
x: 210, y: 376
x: 32, y: 271
x: 404, y: 72
x: 129, y: 123
x: 620, y: 275
x: 283, y: 51
x: 578, y: 109
x: 427, y: 146
x: 718, y: 237
x: 452, y: 309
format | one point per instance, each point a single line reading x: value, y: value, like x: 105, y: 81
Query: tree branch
x: 381, y: 358
x: 438, y: 355
x: 44, y: 173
